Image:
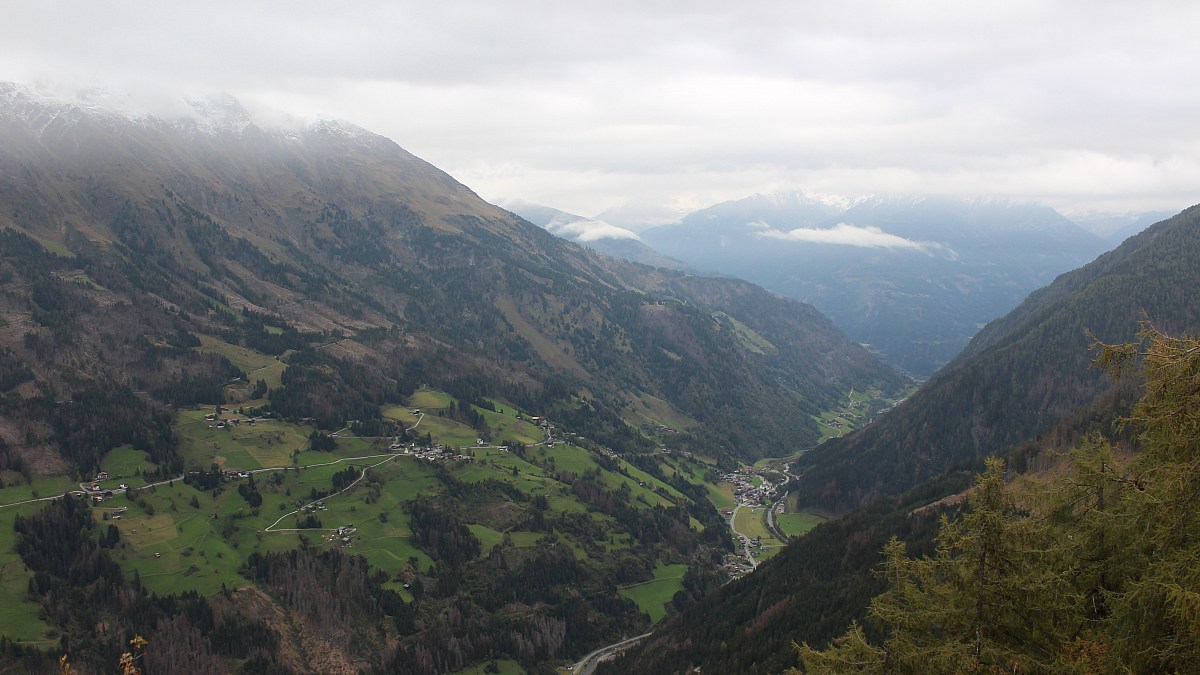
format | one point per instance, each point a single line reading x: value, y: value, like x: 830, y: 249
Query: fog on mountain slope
x: 318, y: 279
x: 596, y: 234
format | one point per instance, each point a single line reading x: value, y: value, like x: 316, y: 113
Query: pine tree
x: 977, y: 605
x: 1100, y: 575
x: 1155, y: 620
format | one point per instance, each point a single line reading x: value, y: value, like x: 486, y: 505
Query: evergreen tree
x: 974, y: 606
x: 1099, y: 576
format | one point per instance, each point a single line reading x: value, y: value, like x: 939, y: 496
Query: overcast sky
x: 586, y: 105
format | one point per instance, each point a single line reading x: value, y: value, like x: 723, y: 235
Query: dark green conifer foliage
x: 1101, y: 575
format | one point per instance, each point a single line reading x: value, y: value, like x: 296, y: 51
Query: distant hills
x: 1116, y: 227
x: 338, y: 236
x: 598, y: 235
x: 914, y: 278
x: 1021, y: 374
x: 161, y: 276
x: 1023, y: 387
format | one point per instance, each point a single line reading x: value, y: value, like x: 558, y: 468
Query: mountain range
x: 332, y: 230
x: 913, y: 278
x: 290, y: 399
x: 1023, y: 389
x: 1021, y: 375
x: 359, y: 419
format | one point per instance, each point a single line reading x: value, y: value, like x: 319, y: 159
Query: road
x: 773, y: 522
x: 589, y: 663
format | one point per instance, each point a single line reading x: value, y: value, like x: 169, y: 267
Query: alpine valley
x: 1089, y: 561
x: 288, y: 399
x: 284, y: 398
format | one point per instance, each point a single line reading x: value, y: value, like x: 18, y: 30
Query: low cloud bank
x: 847, y: 235
x: 588, y: 230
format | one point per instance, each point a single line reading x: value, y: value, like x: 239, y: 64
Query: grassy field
x: 795, y: 524
x: 124, y: 463
x: 246, y: 359
x: 751, y: 523
x: 748, y: 338
x: 721, y: 495
x: 505, y: 426
x: 567, y: 457
x: 187, y: 539
x: 653, y: 410
x: 272, y: 374
x: 652, y: 597
x: 20, y: 620
x: 504, y: 667
x: 177, y: 538
x: 442, y: 430
x: 41, y: 487
x: 430, y: 399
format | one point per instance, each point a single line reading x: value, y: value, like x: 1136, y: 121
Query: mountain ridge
x: 1021, y: 374
x: 335, y: 230
x: 913, y: 277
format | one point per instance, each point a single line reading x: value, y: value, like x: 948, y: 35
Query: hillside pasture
x: 653, y: 597
x: 247, y: 360
x: 796, y: 524
x: 21, y: 619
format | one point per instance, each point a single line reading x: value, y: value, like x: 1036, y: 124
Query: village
x: 751, y: 490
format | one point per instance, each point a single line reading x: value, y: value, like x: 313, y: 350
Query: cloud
x: 593, y: 104
x: 585, y: 230
x: 846, y: 234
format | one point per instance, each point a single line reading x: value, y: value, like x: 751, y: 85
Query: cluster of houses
x: 436, y: 453
x: 318, y: 505
x: 228, y: 422
x: 745, y: 492
x: 99, y: 494
x: 342, y: 535
x: 736, y: 565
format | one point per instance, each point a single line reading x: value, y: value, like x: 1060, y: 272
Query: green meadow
x: 175, y: 537
x: 796, y: 524
x: 652, y: 597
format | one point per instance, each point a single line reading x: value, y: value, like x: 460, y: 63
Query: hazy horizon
x: 599, y: 107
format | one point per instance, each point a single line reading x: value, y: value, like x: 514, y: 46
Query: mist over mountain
x: 531, y: 409
x: 1116, y: 227
x: 334, y: 229
x: 595, y: 234
x: 914, y: 278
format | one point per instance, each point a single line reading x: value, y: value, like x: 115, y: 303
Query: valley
x: 286, y: 401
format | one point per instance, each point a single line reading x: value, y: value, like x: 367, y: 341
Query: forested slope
x: 1092, y: 571
x: 304, y: 354
x: 1021, y: 374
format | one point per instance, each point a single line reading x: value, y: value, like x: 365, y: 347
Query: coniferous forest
x: 1089, y: 571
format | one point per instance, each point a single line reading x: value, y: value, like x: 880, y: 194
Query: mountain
x: 1023, y: 389
x: 641, y: 214
x: 290, y: 399
x: 331, y: 229
x: 1115, y: 227
x: 1020, y: 375
x: 602, y: 237
x: 913, y: 278
x: 809, y: 592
